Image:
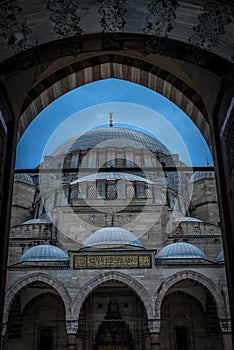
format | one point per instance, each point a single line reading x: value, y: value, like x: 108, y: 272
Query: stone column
x: 154, y: 341
x: 154, y: 329
x: 72, y: 327
x: 226, y: 330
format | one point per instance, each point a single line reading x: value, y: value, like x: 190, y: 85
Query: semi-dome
x: 23, y: 177
x: 112, y: 176
x: 96, y: 137
x: 37, y: 221
x: 200, y: 175
x: 112, y: 236
x: 180, y: 250
x: 220, y: 257
x: 43, y: 253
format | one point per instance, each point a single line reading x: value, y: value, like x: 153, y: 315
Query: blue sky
x: 132, y: 105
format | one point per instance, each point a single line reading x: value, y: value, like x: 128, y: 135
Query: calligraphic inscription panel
x: 112, y: 261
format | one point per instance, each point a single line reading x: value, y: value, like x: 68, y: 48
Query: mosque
x: 115, y: 244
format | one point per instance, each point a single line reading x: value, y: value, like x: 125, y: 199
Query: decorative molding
x: 211, y: 24
x: 160, y: 17
x: 64, y: 14
x: 13, y: 27
x: 112, y: 15
x: 159, y: 24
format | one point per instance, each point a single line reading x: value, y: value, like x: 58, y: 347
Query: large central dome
x: 96, y: 138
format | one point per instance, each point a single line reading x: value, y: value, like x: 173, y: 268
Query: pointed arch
x: 36, y: 277
x: 122, y: 67
x: 134, y: 285
x: 203, y: 280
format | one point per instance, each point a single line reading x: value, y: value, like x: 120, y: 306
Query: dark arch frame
x: 41, y: 55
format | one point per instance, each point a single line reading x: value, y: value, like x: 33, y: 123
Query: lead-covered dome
x: 180, y: 250
x: 112, y: 236
x: 44, y: 253
x: 97, y: 137
x: 200, y: 175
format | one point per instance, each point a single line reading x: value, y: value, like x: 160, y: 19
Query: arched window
x: 111, y: 191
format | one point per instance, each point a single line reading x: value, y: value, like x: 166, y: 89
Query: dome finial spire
x: 111, y: 120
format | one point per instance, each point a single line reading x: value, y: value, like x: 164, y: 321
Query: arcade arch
x: 122, y: 278
x: 112, y: 315
x: 42, y: 279
x: 179, y: 90
x: 202, y: 281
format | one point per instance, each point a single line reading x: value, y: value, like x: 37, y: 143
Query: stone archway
x: 112, y: 314
x: 36, y: 277
x: 172, y: 86
x: 202, y: 280
x: 135, y: 286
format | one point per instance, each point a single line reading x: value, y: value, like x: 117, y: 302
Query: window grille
x: 111, y: 191
x: 92, y: 192
x: 196, y: 231
x: 178, y: 231
x: 148, y: 193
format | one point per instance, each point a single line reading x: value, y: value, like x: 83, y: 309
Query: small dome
x: 111, y: 176
x: 110, y: 236
x: 200, y: 175
x: 180, y: 250
x: 44, y: 252
x: 220, y: 257
x: 23, y: 177
x: 187, y: 219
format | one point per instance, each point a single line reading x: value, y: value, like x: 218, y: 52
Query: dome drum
x: 110, y: 186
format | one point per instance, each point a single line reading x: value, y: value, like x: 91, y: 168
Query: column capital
x: 71, y: 326
x: 225, y: 325
x: 154, y: 326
